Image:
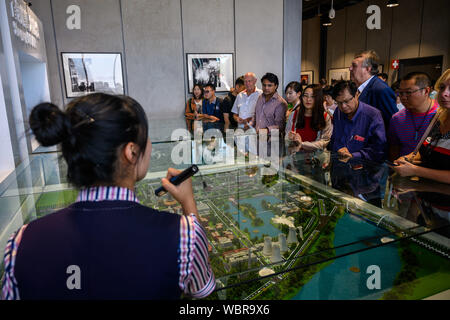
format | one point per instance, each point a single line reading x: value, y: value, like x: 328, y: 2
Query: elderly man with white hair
x: 244, y: 106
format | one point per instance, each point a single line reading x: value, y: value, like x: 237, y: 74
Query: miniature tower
x: 300, y: 232
x: 267, y: 250
x: 292, y: 236
x: 282, y: 242
x: 276, y: 255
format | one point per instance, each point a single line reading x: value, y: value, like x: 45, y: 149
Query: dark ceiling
x: 311, y: 7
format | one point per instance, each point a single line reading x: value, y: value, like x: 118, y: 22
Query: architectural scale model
x: 281, y: 238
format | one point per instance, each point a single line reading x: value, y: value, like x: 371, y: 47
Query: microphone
x: 189, y: 172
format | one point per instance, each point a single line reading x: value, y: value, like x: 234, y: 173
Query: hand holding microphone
x: 179, y: 185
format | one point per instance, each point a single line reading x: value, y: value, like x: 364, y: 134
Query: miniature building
x: 265, y: 272
x: 292, y: 236
x: 230, y: 236
x: 267, y: 251
x: 282, y: 242
x: 300, y: 232
x: 276, y: 255
x: 215, y: 234
x: 225, y: 242
x: 241, y: 256
x: 201, y: 206
x: 231, y: 253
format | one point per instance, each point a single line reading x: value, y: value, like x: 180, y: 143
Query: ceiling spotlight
x: 392, y: 3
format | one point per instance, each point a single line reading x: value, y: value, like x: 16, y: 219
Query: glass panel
x: 316, y: 228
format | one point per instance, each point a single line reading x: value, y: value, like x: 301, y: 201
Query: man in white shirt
x: 243, y: 112
x: 244, y: 106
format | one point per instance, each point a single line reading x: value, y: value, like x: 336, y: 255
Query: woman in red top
x: 310, y: 125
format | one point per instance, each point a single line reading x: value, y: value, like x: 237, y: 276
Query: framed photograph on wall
x: 86, y: 73
x: 338, y: 74
x: 380, y: 68
x: 306, y: 77
x: 216, y: 68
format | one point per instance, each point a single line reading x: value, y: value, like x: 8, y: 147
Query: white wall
x: 154, y: 37
x: 34, y: 81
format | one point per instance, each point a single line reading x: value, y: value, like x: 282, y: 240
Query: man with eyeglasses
x: 358, y: 129
x: 372, y: 90
x: 408, y: 125
x: 212, y: 108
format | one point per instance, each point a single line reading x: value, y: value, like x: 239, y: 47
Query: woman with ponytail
x: 106, y: 245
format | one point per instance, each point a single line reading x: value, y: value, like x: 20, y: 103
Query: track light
x: 392, y: 3
x: 326, y: 22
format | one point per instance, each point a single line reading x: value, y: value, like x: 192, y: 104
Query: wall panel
x: 153, y: 47
x: 259, y: 37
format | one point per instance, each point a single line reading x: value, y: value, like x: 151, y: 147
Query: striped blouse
x: 196, y: 277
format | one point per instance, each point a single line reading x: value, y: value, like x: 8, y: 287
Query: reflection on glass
x: 312, y: 230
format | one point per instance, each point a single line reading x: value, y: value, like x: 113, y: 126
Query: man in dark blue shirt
x: 212, y: 105
x: 358, y: 129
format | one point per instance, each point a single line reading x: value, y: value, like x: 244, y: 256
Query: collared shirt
x: 196, y: 277
x: 213, y: 108
x: 270, y: 114
x: 406, y: 127
x: 364, y: 85
x: 364, y: 135
x: 244, y: 105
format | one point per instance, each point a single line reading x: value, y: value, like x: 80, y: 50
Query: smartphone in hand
x: 391, y: 164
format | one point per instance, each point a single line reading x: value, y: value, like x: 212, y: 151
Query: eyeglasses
x: 340, y: 103
x: 407, y: 93
x: 308, y: 97
x: 206, y: 91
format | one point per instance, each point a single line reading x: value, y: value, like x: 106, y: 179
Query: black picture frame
x: 89, y: 72
x: 216, y: 68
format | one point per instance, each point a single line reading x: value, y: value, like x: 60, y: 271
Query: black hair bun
x: 49, y: 124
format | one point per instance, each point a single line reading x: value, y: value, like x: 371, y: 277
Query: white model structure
x: 289, y: 221
x: 300, y: 232
x: 282, y: 242
x: 267, y: 250
x: 292, y: 236
x: 276, y: 255
x: 265, y: 272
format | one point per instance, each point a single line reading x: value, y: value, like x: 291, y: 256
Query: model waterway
x: 339, y: 281
x: 265, y: 215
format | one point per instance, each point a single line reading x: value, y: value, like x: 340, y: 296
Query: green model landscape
x: 236, y: 251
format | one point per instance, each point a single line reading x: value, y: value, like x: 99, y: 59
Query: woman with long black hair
x: 310, y: 125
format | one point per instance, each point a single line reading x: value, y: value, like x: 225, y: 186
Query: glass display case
x: 312, y: 227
